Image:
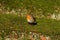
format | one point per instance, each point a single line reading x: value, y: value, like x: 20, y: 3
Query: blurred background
x: 13, y: 19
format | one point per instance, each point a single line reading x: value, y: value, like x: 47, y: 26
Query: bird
x: 31, y: 19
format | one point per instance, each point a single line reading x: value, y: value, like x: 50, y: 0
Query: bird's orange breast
x: 28, y: 17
